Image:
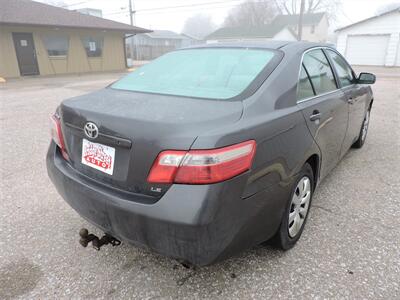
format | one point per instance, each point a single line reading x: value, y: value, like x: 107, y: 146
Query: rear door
x: 355, y: 94
x: 324, y: 107
x: 26, y: 54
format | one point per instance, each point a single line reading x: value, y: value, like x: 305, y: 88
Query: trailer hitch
x: 97, y: 243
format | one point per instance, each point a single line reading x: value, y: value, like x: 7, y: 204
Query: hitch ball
x: 84, y: 233
x: 84, y: 240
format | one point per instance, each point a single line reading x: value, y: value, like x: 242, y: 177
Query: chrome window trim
x: 317, y: 96
x: 298, y: 76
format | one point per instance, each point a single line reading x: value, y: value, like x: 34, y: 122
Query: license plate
x: 98, y: 156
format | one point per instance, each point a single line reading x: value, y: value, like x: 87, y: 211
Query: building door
x: 26, y: 54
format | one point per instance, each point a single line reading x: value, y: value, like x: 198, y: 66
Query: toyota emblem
x: 91, y: 130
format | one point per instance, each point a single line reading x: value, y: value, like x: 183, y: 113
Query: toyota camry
x: 207, y: 151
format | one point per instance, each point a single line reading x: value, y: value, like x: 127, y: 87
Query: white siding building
x: 374, y: 41
x: 282, y: 27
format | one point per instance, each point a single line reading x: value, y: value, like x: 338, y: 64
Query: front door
x: 356, y: 98
x: 26, y: 54
x: 355, y: 94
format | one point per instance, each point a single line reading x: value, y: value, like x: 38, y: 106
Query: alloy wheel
x: 299, y: 206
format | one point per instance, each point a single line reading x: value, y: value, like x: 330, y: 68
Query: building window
x: 93, y: 46
x: 56, y: 45
x: 313, y: 29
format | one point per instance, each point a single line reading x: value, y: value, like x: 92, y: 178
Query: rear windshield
x: 204, y: 73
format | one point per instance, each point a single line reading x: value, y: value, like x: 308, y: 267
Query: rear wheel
x: 364, y: 130
x: 296, y: 213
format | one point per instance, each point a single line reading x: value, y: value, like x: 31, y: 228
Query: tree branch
x: 278, y: 6
x: 287, y: 9
x: 317, y: 4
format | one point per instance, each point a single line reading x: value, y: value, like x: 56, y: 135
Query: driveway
x: 350, y: 248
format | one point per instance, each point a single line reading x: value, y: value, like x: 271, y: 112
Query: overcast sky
x: 154, y: 14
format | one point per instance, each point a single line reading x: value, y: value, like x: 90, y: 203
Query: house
x: 191, y: 40
x: 373, y: 41
x: 39, y: 39
x: 251, y: 33
x: 282, y: 27
x: 314, y: 29
x: 153, y: 44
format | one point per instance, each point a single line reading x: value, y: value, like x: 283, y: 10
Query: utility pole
x: 300, y: 29
x: 133, y: 22
x: 131, y: 12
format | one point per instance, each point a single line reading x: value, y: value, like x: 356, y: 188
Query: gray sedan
x: 207, y: 151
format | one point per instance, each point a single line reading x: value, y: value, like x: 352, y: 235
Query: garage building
x: 374, y: 41
x: 40, y: 39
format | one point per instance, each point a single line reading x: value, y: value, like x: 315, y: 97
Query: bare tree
x: 199, y: 25
x: 388, y: 7
x: 292, y: 7
x: 252, y: 13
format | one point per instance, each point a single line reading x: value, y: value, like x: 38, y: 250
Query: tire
x: 363, y: 131
x: 287, y: 234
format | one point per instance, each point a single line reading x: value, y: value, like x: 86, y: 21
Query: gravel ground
x: 350, y: 248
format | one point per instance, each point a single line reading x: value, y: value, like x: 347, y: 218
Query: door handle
x: 350, y: 100
x: 316, y: 115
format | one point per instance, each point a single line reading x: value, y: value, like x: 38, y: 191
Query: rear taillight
x: 202, y: 166
x: 57, y: 136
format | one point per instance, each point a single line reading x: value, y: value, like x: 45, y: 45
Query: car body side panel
x: 359, y: 99
x: 283, y: 145
x: 330, y: 130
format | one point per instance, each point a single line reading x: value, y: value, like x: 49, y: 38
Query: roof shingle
x: 266, y: 31
x: 165, y: 34
x: 293, y: 20
x: 26, y: 12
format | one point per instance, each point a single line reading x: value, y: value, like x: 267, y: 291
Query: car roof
x: 273, y: 44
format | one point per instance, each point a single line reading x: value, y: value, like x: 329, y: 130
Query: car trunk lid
x: 139, y: 126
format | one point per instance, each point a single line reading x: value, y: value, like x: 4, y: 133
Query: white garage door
x: 367, y: 49
x: 398, y: 56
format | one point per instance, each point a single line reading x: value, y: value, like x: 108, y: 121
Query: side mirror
x: 366, y: 78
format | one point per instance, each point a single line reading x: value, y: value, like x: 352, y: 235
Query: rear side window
x: 320, y: 71
x: 304, y: 87
x: 219, y: 73
x: 343, y: 70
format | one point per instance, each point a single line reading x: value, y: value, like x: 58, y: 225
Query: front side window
x: 304, y: 87
x: 214, y: 73
x: 320, y: 71
x: 93, y: 46
x: 343, y: 70
x: 56, y: 45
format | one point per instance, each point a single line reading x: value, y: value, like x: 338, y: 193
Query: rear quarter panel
x: 273, y: 119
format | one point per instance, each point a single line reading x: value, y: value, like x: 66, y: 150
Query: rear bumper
x: 200, y: 224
